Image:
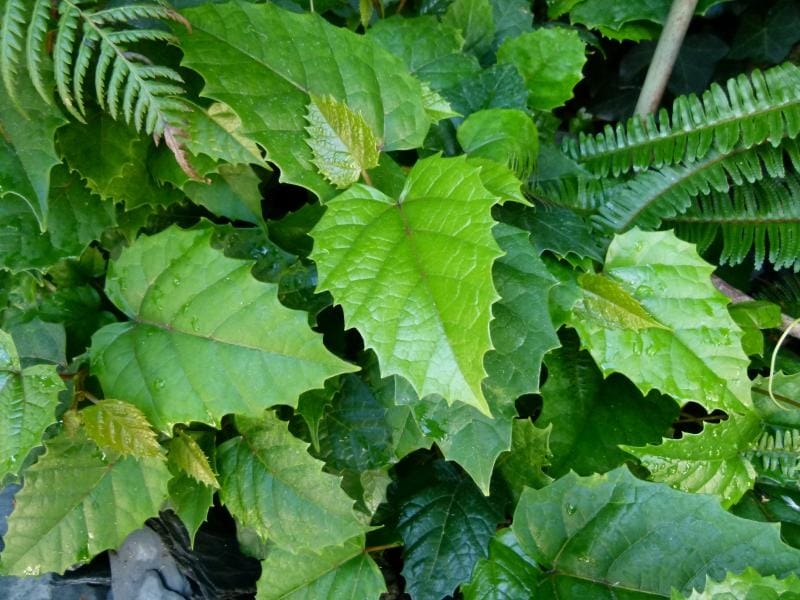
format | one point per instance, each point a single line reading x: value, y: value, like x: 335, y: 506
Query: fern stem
x: 669, y: 44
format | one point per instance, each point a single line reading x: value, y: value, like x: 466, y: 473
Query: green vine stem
x: 669, y: 44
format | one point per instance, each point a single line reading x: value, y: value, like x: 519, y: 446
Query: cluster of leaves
x: 369, y: 295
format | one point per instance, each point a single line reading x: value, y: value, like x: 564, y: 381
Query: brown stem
x: 374, y: 549
x: 669, y: 44
x: 739, y: 296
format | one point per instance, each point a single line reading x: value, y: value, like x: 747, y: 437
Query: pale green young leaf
x: 607, y: 301
x: 271, y: 484
x: 499, y: 180
x: 711, y: 462
x: 342, y: 143
x: 436, y: 107
x: 698, y: 338
x: 428, y: 255
x: 28, y: 400
x: 747, y: 585
x: 75, y: 504
x: 185, y: 454
x: 27, y: 151
x: 120, y: 427
x: 475, y: 20
x: 268, y: 75
x: 596, y: 536
x: 522, y: 331
x: 550, y: 61
x: 505, y: 135
x: 194, y: 308
x: 343, y: 571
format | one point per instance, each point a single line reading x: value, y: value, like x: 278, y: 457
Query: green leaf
x: 354, y: 433
x: 711, y: 462
x: 75, y: 504
x: 608, y: 302
x: 233, y: 193
x: 27, y: 151
x: 506, y: 574
x: 606, y: 535
x: 113, y: 160
x: 698, y: 338
x: 499, y: 86
x: 752, y: 317
x: 767, y: 37
x: 191, y: 501
x: 499, y: 180
x: 344, y: 571
x: 446, y: 526
x: 747, y: 585
x: 120, y: 427
x: 77, y: 217
x: 522, y: 332
x: 475, y: 20
x: 284, y: 59
x: 522, y: 465
x: 216, y: 132
x: 195, y: 308
x: 431, y: 268
x: 186, y: 454
x: 430, y: 49
x: 341, y: 140
x: 505, y: 135
x: 38, y: 341
x: 590, y: 416
x: 28, y: 400
x: 550, y: 61
x: 271, y: 484
x: 786, y: 389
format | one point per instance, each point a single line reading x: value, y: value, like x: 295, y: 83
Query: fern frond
x: 777, y: 452
x: 763, y: 217
x: 68, y: 25
x: 647, y: 198
x: 12, y: 35
x: 749, y: 111
x: 35, y: 47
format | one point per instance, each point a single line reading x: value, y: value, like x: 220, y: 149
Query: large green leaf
x: 446, y: 526
x: 272, y: 485
x: 345, y: 572
x: 428, y: 256
x: 267, y: 75
x: 590, y: 415
x: 75, y: 503
x: 27, y: 151
x: 77, y: 217
x: 430, y: 49
x: 614, y: 536
x: 521, y: 330
x: 195, y: 309
x: 711, y: 462
x: 550, y: 61
x: 28, y: 399
x: 694, y: 337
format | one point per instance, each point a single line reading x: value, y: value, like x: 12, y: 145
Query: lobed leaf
x: 75, y: 504
x: 696, y: 338
x: 271, y: 484
x: 428, y: 255
x: 28, y: 400
x: 194, y: 307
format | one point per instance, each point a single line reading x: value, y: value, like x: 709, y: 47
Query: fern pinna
x: 695, y: 168
x: 127, y: 83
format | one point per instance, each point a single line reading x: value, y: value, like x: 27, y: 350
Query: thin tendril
x: 781, y: 340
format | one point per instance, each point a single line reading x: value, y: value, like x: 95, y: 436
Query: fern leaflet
x: 777, y: 452
x: 751, y: 110
x: 764, y: 217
